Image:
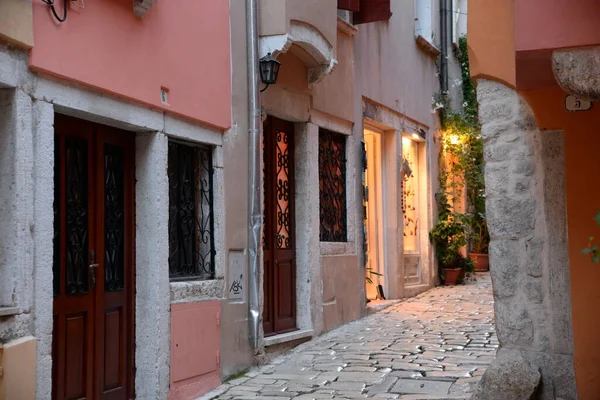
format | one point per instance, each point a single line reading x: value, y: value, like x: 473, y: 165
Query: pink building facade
x: 124, y: 184
x: 113, y: 125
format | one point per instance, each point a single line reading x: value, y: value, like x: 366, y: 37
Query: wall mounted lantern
x: 269, y: 68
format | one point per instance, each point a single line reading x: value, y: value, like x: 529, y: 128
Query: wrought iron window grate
x: 332, y: 187
x: 191, y: 213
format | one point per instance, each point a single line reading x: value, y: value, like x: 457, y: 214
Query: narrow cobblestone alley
x: 434, y: 346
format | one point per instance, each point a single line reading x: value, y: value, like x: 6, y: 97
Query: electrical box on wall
x: 195, y: 344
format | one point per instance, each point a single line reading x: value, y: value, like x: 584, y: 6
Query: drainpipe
x: 444, y: 46
x: 254, y: 206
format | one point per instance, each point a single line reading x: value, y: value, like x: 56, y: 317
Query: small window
x: 423, y: 19
x: 372, y: 11
x: 332, y: 186
x: 191, y: 215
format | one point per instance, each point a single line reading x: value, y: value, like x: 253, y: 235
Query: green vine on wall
x: 461, y: 173
x: 592, y: 249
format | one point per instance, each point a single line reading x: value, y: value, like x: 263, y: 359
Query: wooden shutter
x: 373, y: 11
x: 350, y: 5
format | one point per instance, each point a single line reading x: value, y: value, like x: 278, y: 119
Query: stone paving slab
x: 433, y: 346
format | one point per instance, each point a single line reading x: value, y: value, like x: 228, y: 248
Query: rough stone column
x: 16, y: 211
x: 526, y: 212
x: 43, y: 216
x: 153, y: 305
x: 309, y: 287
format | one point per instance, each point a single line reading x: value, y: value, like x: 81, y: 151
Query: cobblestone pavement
x: 434, y: 346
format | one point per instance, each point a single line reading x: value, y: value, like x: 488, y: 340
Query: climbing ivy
x: 461, y: 172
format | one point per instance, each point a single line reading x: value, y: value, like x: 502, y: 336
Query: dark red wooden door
x: 93, y: 261
x: 279, y: 244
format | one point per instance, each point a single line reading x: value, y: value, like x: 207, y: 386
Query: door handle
x: 93, y: 267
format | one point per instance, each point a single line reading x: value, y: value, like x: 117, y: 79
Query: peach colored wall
x: 335, y: 93
x: 491, y: 40
x: 181, y: 45
x: 293, y: 74
x: 543, y: 24
x: 341, y: 300
x: 318, y: 13
x: 16, y: 22
x: 271, y: 14
x: 582, y: 140
x: 18, y: 363
x: 195, y: 341
x: 391, y: 70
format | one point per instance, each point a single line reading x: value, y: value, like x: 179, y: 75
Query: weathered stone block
x: 524, y: 166
x: 504, y: 259
x: 510, y: 217
x: 510, y: 377
x: 514, y: 324
x: 496, y: 179
x: 505, y: 151
x: 532, y: 256
x: 505, y: 109
x: 522, y: 185
x: 572, y: 71
x: 533, y: 290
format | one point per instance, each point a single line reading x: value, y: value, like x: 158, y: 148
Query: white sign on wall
x: 573, y: 103
x: 236, y: 277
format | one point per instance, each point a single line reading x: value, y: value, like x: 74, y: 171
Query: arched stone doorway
x: 526, y: 213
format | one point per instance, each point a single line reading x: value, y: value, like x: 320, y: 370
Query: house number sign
x: 573, y: 103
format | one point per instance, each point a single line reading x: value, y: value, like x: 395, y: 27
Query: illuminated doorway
x: 375, y: 274
x: 411, y: 210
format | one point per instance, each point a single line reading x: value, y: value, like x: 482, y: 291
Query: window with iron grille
x: 332, y: 186
x: 191, y: 214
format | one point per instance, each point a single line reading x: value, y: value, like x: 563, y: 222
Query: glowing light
x: 454, y: 139
x: 416, y: 135
x: 405, y: 141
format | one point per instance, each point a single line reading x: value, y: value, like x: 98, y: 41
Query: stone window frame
x: 194, y: 290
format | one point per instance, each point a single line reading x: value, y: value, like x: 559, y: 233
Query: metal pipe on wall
x: 254, y: 206
x: 444, y: 46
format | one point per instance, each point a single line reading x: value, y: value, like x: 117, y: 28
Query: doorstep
x: 377, y: 305
x: 287, y: 337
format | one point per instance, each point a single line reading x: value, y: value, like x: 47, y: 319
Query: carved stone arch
x: 526, y: 214
x: 321, y: 60
x: 577, y: 71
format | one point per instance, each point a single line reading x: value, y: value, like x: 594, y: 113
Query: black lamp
x: 269, y: 68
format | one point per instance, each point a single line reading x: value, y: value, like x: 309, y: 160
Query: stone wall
x: 526, y: 210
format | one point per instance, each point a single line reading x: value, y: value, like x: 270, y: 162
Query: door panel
x: 76, y: 355
x: 279, y: 246
x: 93, y: 272
x: 411, y: 211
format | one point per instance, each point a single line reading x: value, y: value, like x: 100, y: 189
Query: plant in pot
x: 449, y: 237
x: 479, y: 239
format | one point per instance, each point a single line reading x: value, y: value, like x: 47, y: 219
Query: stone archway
x: 317, y: 53
x: 526, y: 211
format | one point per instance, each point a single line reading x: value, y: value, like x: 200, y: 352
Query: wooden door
x: 93, y: 261
x: 279, y: 245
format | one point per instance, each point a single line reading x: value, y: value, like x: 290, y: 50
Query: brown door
x: 93, y: 261
x: 279, y: 244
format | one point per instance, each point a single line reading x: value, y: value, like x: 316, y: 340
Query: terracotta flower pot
x: 452, y: 275
x: 481, y: 261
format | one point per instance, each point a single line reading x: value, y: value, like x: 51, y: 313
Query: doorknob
x: 93, y: 267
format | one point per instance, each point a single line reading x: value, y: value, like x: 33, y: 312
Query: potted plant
x: 479, y: 239
x: 449, y: 237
